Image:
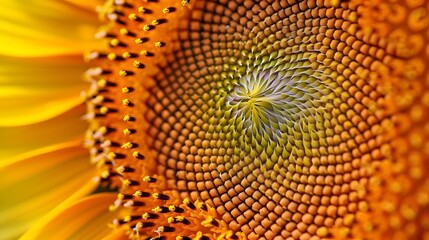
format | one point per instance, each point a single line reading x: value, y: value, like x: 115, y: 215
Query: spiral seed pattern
x: 258, y: 119
x: 269, y: 118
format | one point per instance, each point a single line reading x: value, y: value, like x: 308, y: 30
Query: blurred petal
x: 64, y: 128
x: 86, y: 219
x: 42, y: 28
x: 36, y: 89
x: 117, y: 234
x: 89, y: 5
x: 33, y: 186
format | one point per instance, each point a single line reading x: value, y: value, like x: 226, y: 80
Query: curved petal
x: 31, y: 187
x: 21, y: 139
x: 84, y: 220
x: 43, y: 28
x: 36, y: 89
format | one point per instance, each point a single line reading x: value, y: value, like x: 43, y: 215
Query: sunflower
x: 44, y: 168
x: 217, y: 120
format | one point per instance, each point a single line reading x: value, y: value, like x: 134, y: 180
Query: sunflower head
x: 260, y: 120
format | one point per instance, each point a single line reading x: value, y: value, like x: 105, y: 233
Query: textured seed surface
x: 266, y: 119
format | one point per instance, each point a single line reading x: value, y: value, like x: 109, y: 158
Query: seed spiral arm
x: 259, y: 119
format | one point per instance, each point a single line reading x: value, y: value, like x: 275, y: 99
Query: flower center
x: 237, y: 117
x: 270, y: 103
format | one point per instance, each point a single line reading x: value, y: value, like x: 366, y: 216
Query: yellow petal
x: 36, y: 89
x: 117, y: 234
x: 86, y: 219
x: 67, y: 127
x: 42, y: 28
x: 89, y: 5
x: 31, y: 187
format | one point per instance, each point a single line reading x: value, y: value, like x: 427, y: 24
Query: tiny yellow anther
x: 179, y: 238
x: 123, y: 31
x: 101, y: 83
x: 207, y: 222
x: 159, y: 44
x: 160, y: 229
x: 199, y: 236
x: 229, y: 234
x: 141, y: 10
x: 127, y: 218
x: 180, y: 218
x: 185, y: 2
x: 104, y: 110
x: 125, y: 90
x: 132, y: 16
x: 155, y: 22
x: 136, y: 154
x: 111, y: 155
x: 126, y: 118
x: 120, y: 169
x: 114, y: 42
x: 171, y: 220
x: 138, y: 193
x: 166, y: 10
x: 186, y: 201
x: 121, y: 196
x: 126, y: 182
x: 147, y: 178
x: 127, y: 145
x: 155, y: 195
x: 139, y: 40
x: 126, y: 102
x: 144, y: 52
x: 172, y: 208
x: 102, y: 130
x: 111, y: 56
x: 126, y: 55
x: 146, y: 28
x: 200, y: 205
x: 126, y: 131
x: 146, y: 216
x: 137, y: 64
x: 123, y: 73
x: 157, y: 209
